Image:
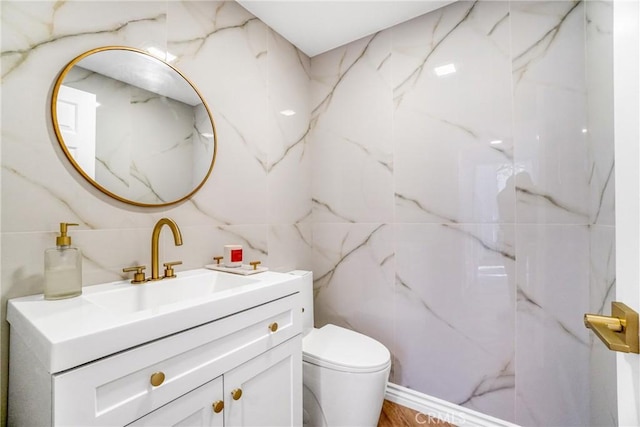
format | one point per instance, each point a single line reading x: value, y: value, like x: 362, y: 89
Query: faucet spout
x: 155, y: 237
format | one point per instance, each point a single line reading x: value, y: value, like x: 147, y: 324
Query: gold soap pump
x: 62, y: 268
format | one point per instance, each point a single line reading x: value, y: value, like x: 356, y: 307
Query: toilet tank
x: 306, y: 291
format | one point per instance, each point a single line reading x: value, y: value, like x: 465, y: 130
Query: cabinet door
x: 116, y: 390
x: 195, y: 408
x: 271, y: 388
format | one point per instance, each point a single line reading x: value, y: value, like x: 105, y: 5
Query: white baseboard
x: 432, y: 407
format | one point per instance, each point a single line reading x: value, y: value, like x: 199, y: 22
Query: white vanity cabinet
x: 195, y: 408
x: 185, y: 378
x: 269, y: 386
x: 260, y: 392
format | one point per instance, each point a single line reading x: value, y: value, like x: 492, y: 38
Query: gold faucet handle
x: 168, y: 269
x: 217, y: 259
x: 255, y: 264
x: 138, y: 276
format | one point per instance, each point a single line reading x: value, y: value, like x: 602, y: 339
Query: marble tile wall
x: 466, y: 219
x: 552, y: 212
x: 602, y: 291
x: 258, y: 194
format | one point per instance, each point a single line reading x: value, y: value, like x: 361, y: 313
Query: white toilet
x: 345, y: 373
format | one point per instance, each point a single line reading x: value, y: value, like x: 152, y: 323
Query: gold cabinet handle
x: 157, y: 378
x: 218, y: 406
x: 236, y: 393
x: 619, y: 332
x: 273, y: 327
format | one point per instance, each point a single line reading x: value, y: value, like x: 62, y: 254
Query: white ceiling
x: 316, y: 26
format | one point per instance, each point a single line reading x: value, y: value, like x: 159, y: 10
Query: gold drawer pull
x: 218, y: 406
x: 157, y: 378
x: 273, y: 327
x: 236, y: 393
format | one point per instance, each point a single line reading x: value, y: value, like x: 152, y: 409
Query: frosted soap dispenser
x: 62, y: 268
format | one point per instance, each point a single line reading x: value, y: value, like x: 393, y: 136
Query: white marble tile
x: 215, y: 42
x: 23, y: 263
x: 550, y: 120
x: 352, y: 133
x: 452, y: 132
x: 552, y: 344
x: 599, y: 63
x: 23, y: 256
x: 253, y: 239
x: 233, y: 45
x: 386, y: 142
x: 602, y: 273
x: 455, y: 337
x: 289, y: 164
x: 353, y: 278
x: 38, y: 40
x: 202, y: 243
x: 290, y: 247
x: 602, y: 361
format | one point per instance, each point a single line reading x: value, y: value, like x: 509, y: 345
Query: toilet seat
x: 344, y: 350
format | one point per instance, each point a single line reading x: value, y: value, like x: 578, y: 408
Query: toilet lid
x: 344, y: 350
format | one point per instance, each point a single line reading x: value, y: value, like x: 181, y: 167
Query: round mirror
x: 134, y: 126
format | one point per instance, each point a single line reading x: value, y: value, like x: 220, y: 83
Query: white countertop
x: 70, y: 332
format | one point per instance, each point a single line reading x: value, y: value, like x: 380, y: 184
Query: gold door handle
x: 236, y: 393
x: 218, y: 406
x: 157, y: 378
x: 273, y: 327
x: 619, y: 332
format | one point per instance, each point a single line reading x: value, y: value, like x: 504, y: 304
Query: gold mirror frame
x: 54, y: 114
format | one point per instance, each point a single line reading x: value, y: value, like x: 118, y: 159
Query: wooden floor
x: 394, y: 415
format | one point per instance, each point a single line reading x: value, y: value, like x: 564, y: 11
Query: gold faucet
x: 177, y: 238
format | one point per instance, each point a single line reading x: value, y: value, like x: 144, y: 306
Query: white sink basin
x: 156, y: 294
x: 112, y: 317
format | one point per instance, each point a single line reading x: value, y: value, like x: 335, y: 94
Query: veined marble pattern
x: 222, y: 34
x: 232, y: 46
x: 290, y: 247
x: 599, y: 39
x: 455, y: 329
x: 289, y: 162
x: 434, y: 218
x: 352, y: 133
x: 498, y: 159
x: 550, y: 116
x: 353, y: 278
x: 258, y: 194
x: 602, y: 362
x: 456, y: 126
x: 552, y: 344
